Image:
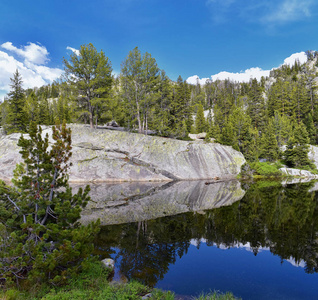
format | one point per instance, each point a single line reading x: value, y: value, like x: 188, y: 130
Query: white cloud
x: 268, y: 13
x: 300, y: 56
x: 74, y: 50
x: 245, y: 76
x: 33, y: 53
x: 289, y: 10
x: 195, y: 80
x: 32, y: 69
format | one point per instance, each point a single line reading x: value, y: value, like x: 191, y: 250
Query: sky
x: 196, y: 39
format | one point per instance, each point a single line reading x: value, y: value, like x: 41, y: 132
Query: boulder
x: 103, y: 155
x: 108, y: 263
x: 298, y: 173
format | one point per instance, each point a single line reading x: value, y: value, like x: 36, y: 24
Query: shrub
x: 40, y: 236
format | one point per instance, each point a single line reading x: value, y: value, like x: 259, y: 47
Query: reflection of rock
x: 116, y: 204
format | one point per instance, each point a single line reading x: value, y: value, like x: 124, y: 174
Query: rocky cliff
x: 106, y: 155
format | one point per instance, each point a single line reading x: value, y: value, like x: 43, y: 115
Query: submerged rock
x: 106, y: 155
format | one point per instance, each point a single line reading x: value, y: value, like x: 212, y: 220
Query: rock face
x: 105, y: 155
x: 134, y: 202
x: 298, y: 173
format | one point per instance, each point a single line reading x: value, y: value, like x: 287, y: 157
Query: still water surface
x: 259, y: 241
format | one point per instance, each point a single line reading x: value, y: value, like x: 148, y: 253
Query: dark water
x: 264, y: 246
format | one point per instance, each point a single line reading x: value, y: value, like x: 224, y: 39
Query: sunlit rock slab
x: 101, y: 155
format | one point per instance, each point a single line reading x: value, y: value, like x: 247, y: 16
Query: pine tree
x: 181, y: 110
x: 31, y: 108
x: 228, y: 135
x: 17, y: 118
x: 269, y: 147
x: 200, y: 122
x: 282, y: 127
x: 256, y: 106
x: 90, y: 72
x: 40, y: 236
x: 296, y: 154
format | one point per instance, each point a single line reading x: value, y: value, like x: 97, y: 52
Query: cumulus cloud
x: 300, y: 56
x: 243, y: 76
x: 73, y: 50
x: 30, y: 60
x: 33, y: 53
x: 247, y: 75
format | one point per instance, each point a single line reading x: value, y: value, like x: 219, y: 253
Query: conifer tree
x: 17, y: 118
x: 256, y: 106
x: 228, y: 135
x: 31, y: 108
x: 180, y: 107
x: 214, y: 133
x: 139, y: 79
x: 200, y: 122
x: 296, y: 154
x: 40, y: 236
x: 282, y: 127
x: 90, y: 72
x: 269, y: 147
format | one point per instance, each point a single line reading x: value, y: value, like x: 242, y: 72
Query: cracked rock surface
x: 103, y: 155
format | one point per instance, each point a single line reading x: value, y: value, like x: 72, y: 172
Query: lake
x: 258, y: 240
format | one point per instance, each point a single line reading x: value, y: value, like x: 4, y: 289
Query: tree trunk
x: 91, y: 119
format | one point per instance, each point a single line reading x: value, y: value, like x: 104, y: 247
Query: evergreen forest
x: 259, y: 118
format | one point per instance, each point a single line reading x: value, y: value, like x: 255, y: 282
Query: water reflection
x: 135, y: 202
x: 283, y: 219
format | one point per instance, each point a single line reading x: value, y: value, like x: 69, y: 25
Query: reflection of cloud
x: 247, y: 247
x: 31, y: 67
x: 248, y: 74
x: 292, y: 261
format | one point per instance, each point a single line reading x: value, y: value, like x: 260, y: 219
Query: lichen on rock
x: 108, y: 155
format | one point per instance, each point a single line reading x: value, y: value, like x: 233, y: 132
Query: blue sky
x: 189, y: 37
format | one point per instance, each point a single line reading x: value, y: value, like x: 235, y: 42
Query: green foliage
x: 265, y: 169
x: 41, y: 238
x: 296, y: 154
x: 16, y: 118
x: 200, y: 122
x: 269, y: 145
x: 139, y: 78
x: 181, y: 110
x: 90, y: 73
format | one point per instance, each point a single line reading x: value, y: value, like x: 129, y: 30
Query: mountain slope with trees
x: 256, y: 118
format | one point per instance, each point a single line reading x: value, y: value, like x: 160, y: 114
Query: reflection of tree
x: 285, y: 219
x: 146, y: 249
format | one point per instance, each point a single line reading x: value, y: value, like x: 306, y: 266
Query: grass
x: 216, y: 296
x: 93, y: 284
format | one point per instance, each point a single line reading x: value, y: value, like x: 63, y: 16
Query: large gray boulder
x: 104, y: 155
